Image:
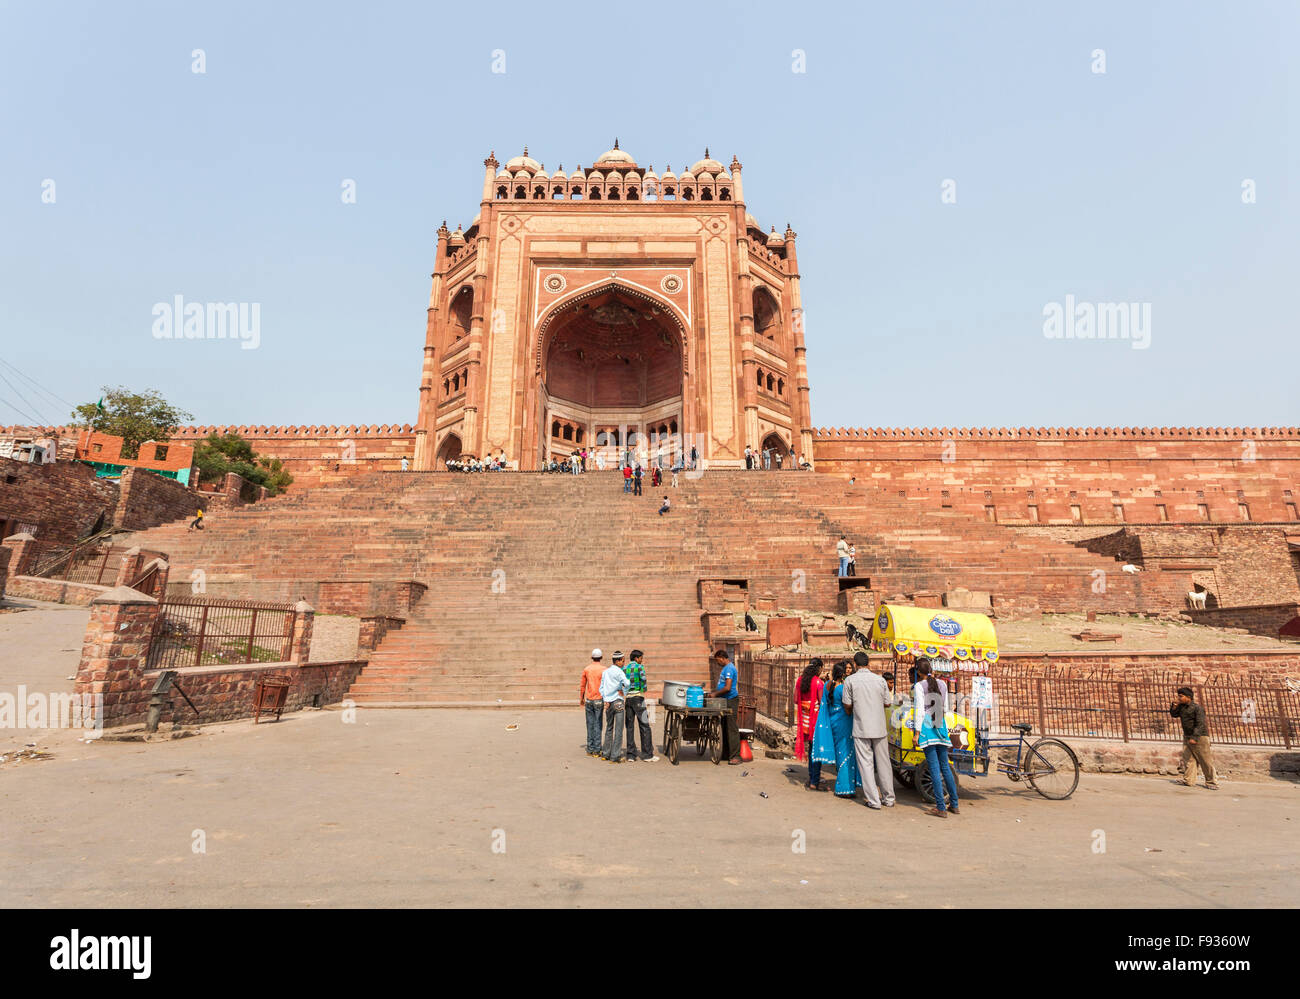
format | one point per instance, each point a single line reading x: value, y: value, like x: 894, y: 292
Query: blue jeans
x: 937, y: 757
x: 814, y: 770
x: 613, y: 747
x: 594, y: 709
x: 844, y: 567
x: 627, y: 485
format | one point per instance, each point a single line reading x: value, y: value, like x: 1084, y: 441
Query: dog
x: 853, y: 637
x: 750, y: 623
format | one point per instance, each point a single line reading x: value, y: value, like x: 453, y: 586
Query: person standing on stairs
x: 593, y: 704
x: 627, y: 478
x: 613, y: 688
x: 842, y: 553
x: 853, y: 560
x: 636, y: 476
x: 637, y: 717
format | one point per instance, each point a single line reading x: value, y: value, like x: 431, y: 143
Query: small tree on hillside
x: 216, y: 455
x: 136, y: 417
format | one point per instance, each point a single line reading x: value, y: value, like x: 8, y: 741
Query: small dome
x: 477, y: 219
x: 775, y: 238
x: 668, y: 174
x: 615, y: 157
x: 707, y: 164
x: 631, y: 175
x: 559, y: 174
x: 595, y: 175
x: 457, y: 238
x: 524, y: 162
x: 578, y: 174
x: 650, y: 173
x: 752, y: 222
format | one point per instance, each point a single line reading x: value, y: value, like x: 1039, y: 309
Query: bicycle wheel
x: 1052, y: 769
x: 715, y: 742
x: 673, y: 744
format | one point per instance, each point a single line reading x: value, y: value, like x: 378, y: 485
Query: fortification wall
x: 318, y: 454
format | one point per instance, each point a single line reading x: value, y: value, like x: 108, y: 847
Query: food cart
x: 961, y: 646
x: 703, y: 726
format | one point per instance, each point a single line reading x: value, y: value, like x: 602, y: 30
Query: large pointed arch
x: 614, y: 284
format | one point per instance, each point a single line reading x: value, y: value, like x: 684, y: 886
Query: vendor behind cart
x: 729, y: 687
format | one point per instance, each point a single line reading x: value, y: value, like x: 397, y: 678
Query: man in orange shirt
x: 589, y: 697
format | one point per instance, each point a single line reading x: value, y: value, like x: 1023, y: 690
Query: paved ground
x: 399, y: 808
x: 40, y: 646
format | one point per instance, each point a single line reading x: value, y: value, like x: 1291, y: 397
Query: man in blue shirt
x: 613, y: 688
x: 729, y: 687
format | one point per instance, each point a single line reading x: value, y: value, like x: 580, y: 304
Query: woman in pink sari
x: 807, y: 699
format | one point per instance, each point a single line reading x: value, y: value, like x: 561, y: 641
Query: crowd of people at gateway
x: 639, y: 462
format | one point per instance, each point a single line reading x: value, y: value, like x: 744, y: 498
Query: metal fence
x: 1243, y: 712
x: 191, y: 632
x: 95, y: 561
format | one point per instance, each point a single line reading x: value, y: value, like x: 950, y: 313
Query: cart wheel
x: 672, y: 742
x: 702, y: 744
x: 905, y: 776
x: 1052, y: 769
x: 921, y: 781
x: 715, y: 743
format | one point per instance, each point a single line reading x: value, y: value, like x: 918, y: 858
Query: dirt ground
x: 451, y: 808
x: 1055, y: 633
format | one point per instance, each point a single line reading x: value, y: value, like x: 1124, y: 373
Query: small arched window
x: 555, y: 428
x: 706, y: 195
x: 780, y: 386
x: 520, y: 192
x: 770, y: 382
x: 631, y: 194
x: 760, y: 377
x: 725, y: 194
x: 501, y: 192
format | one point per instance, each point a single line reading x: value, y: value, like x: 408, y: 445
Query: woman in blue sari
x: 833, y: 739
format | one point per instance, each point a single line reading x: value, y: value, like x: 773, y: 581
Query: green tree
x: 136, y: 417
x: 216, y: 455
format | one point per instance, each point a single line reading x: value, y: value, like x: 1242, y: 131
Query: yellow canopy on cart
x: 925, y: 631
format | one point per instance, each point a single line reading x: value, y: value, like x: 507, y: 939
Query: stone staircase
x: 526, y: 572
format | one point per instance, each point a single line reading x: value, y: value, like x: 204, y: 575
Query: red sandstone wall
x: 148, y: 500
x: 63, y: 499
x: 1140, y: 469
x: 314, y: 455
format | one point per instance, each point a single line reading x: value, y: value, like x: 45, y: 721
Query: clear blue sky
x: 1115, y: 187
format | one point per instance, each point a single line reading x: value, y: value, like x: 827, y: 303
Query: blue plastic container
x: 695, y: 696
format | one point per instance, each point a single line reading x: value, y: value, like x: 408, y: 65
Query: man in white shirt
x: 842, y: 552
x: 613, y: 688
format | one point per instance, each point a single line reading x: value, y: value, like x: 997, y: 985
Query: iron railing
x: 94, y: 560
x: 1247, y: 711
x: 192, y: 632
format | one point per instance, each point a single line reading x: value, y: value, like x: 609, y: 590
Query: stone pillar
x: 115, y: 652
x: 5, y: 555
x: 427, y: 418
x: 803, y: 410
x: 22, y: 553
x: 300, y: 644
x: 132, y: 564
